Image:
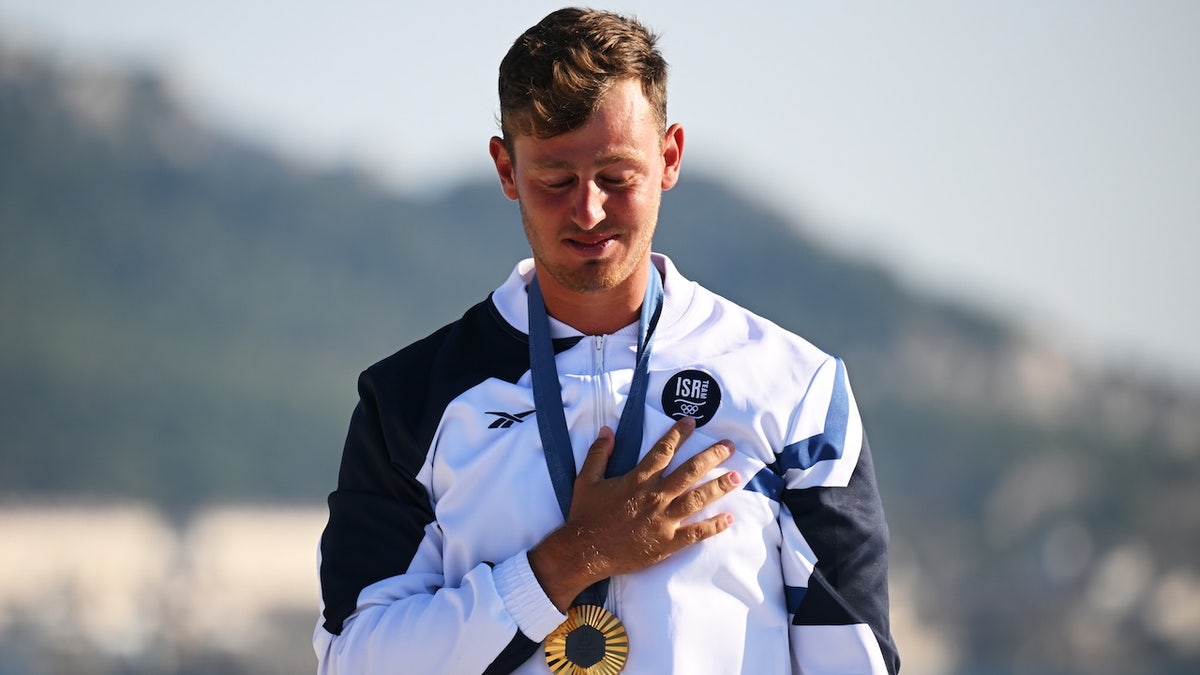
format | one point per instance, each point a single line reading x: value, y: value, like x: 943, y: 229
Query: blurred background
x: 214, y: 215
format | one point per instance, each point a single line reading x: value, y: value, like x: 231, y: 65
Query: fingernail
x: 735, y: 478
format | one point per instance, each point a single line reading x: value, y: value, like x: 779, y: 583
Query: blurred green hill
x: 184, y: 315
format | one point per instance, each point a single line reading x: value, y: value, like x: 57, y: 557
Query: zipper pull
x: 597, y: 353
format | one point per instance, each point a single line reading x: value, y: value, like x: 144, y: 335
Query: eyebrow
x: 604, y: 161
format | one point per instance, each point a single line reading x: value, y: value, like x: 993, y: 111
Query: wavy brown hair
x: 555, y: 74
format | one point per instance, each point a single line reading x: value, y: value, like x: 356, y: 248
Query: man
x: 744, y: 536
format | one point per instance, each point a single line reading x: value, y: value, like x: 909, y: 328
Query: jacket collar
x: 510, y: 299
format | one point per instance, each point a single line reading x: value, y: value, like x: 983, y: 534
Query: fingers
x: 693, y: 500
x: 660, y: 454
x: 687, y: 535
x: 648, y: 505
x: 686, y: 475
x: 598, y: 453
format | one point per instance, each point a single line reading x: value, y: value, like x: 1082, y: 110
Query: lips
x: 591, y: 246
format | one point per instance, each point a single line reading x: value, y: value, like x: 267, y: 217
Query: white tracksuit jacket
x: 443, y: 488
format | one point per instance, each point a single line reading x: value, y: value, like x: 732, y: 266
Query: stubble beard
x: 592, y: 276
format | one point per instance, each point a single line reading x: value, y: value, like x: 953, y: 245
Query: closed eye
x: 560, y: 184
x: 624, y: 180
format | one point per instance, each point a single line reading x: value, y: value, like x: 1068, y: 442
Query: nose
x: 589, y: 205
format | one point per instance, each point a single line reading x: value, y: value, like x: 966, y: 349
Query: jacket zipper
x: 603, y: 413
x: 599, y: 388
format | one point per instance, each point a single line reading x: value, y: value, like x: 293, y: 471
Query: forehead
x: 622, y: 128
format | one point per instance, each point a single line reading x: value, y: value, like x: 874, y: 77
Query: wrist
x: 523, y: 597
x: 560, y: 564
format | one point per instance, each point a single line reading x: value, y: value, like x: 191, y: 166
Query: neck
x: 600, y: 312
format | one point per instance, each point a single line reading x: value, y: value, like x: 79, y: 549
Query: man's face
x: 589, y: 198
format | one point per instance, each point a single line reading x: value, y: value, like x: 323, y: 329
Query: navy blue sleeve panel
x: 378, y: 514
x: 846, y: 529
x: 516, y: 653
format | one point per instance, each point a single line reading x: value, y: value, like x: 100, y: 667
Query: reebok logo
x: 505, y: 420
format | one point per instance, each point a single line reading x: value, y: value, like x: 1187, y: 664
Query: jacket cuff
x: 524, y: 598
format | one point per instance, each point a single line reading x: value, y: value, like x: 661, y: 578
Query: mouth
x: 591, y: 246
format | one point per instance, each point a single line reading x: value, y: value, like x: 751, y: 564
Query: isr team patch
x: 691, y: 393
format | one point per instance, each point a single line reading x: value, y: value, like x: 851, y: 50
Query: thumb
x: 596, y: 462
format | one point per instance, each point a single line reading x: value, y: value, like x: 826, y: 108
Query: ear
x: 672, y: 155
x: 504, y: 167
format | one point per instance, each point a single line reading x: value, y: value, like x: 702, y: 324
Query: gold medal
x: 592, y: 641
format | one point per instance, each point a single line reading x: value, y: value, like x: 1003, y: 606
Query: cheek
x: 538, y: 214
x: 640, y: 205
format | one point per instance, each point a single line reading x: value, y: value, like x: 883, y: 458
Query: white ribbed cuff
x: 524, y: 598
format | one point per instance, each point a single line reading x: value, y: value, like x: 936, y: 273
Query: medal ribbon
x: 552, y: 423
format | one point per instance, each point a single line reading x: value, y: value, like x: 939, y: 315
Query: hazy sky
x: 1037, y: 158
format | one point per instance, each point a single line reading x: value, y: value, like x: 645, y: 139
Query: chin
x: 592, y: 277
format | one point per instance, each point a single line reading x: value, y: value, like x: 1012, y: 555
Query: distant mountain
x: 184, y: 315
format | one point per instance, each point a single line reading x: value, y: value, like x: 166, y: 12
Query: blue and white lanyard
x: 552, y: 423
